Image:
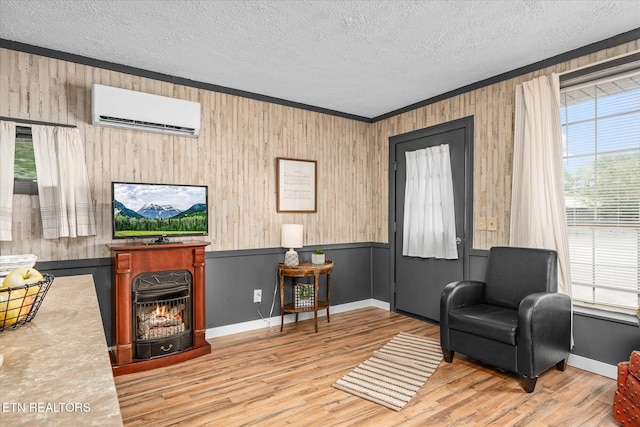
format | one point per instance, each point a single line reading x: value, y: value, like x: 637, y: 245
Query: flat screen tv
x: 159, y: 211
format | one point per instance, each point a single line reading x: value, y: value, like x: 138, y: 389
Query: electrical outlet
x: 257, y: 295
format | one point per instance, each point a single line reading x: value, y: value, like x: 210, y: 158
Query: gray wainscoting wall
x: 361, y: 272
x: 380, y: 287
x: 232, y: 276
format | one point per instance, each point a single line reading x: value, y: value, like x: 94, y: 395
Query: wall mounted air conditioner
x: 129, y: 109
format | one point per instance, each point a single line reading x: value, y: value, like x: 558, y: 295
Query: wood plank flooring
x: 269, y: 378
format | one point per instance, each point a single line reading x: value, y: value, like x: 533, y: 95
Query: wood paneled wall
x: 493, y: 110
x: 235, y: 155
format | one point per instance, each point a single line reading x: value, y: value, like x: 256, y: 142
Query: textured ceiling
x: 365, y: 58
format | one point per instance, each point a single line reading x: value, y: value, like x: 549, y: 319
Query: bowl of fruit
x: 21, y: 294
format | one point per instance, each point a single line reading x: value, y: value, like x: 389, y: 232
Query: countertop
x: 56, y: 369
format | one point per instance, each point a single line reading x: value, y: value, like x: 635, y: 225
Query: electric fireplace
x: 162, y: 308
x: 159, y: 305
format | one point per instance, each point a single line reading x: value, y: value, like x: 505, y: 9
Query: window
x: 25, y: 178
x: 601, y: 158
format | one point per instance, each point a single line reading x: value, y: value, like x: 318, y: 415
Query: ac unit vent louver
x: 142, y: 111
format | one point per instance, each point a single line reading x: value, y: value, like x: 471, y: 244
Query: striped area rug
x: 395, y: 373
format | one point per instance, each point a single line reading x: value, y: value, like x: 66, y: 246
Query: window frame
x: 586, y: 78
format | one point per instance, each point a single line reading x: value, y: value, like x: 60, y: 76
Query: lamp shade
x: 291, y: 236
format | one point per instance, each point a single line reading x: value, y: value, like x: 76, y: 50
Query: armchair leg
x: 528, y: 384
x: 561, y: 365
x: 448, y: 355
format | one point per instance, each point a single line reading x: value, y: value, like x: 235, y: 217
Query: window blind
x: 601, y: 159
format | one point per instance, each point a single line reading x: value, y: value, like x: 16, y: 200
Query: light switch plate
x: 492, y: 223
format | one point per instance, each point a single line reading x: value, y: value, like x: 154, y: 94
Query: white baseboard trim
x: 272, y: 322
x: 380, y: 304
x: 580, y: 362
x: 593, y: 366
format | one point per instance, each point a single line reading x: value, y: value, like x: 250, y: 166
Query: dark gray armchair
x: 515, y: 320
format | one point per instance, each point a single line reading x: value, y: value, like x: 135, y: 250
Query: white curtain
x: 7, y: 152
x: 63, y: 186
x: 538, y: 216
x: 429, y: 229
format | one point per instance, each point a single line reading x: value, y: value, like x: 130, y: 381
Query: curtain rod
x: 34, y: 122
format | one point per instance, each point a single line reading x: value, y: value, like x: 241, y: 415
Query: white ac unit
x: 129, y: 109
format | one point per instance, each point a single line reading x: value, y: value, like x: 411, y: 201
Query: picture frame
x: 296, y: 186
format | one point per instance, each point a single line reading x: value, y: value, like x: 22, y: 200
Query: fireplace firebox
x: 159, y: 305
x: 162, y: 307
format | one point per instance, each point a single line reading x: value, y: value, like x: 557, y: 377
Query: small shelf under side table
x: 305, y: 269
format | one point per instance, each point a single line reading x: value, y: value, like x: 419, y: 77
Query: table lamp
x: 291, y: 238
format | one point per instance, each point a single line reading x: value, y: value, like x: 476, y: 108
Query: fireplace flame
x: 162, y: 321
x: 161, y: 310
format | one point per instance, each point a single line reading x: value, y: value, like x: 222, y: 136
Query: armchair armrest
x: 544, y: 324
x: 463, y: 293
x: 458, y: 294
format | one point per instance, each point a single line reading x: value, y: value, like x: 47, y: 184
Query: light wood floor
x: 269, y: 378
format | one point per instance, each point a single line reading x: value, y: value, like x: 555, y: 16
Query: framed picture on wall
x: 296, y: 187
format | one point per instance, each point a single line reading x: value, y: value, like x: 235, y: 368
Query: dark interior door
x: 419, y: 281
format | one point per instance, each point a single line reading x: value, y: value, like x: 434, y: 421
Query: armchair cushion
x: 488, y: 321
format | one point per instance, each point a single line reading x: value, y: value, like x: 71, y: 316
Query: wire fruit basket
x: 20, y: 304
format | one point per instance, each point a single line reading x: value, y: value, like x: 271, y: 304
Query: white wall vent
x: 129, y: 109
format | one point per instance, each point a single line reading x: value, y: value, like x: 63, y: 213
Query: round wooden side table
x: 305, y: 269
